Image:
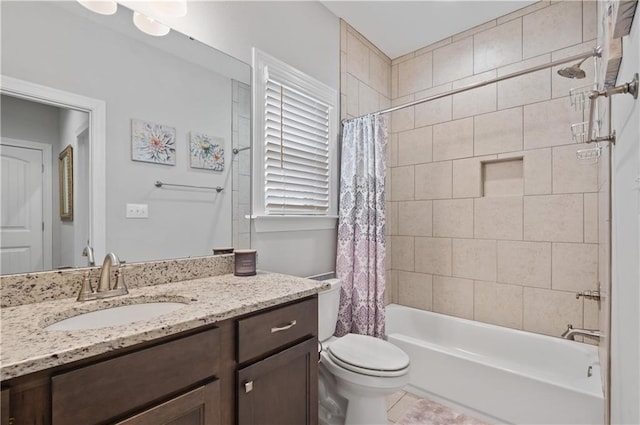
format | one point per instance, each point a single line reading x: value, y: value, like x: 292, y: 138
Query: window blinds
x: 296, y: 151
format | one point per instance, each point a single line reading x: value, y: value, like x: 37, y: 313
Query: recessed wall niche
x: 503, y: 177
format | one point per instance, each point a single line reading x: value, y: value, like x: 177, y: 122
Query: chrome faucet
x: 88, y: 252
x: 571, y: 333
x: 105, y: 289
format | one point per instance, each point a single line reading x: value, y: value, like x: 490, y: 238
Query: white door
x: 21, y: 209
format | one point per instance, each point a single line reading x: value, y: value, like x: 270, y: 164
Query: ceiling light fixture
x: 103, y: 7
x: 149, y: 25
x: 170, y: 8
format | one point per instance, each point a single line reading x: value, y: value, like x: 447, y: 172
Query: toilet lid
x: 368, y: 355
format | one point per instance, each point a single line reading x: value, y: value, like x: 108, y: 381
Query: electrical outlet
x: 137, y: 211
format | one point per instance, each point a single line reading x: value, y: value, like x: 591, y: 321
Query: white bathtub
x: 499, y: 374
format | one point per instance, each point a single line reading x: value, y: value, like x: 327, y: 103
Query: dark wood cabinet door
x: 5, y: 414
x: 198, y: 407
x: 281, y: 389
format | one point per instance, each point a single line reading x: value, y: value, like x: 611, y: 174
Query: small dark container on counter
x: 223, y: 250
x: 245, y: 262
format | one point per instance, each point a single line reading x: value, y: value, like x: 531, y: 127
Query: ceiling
x: 400, y: 27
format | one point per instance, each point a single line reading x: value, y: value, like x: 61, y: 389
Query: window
x: 295, y: 120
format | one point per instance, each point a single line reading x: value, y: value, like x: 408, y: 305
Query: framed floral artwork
x: 152, y: 142
x: 206, y: 152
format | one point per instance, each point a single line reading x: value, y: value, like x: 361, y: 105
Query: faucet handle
x: 86, y: 289
x: 120, y: 285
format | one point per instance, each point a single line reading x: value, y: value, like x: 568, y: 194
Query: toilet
x: 356, y: 372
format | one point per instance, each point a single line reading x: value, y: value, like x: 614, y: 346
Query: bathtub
x: 498, y: 374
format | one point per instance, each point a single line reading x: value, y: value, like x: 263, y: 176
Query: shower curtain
x: 360, y: 262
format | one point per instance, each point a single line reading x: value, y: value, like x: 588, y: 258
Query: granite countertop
x: 27, y: 347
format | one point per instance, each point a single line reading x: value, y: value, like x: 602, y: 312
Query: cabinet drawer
x: 111, y: 388
x: 265, y: 332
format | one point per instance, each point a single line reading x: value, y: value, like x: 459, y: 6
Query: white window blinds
x: 296, y: 150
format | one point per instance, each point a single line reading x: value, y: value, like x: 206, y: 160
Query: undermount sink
x: 114, y: 316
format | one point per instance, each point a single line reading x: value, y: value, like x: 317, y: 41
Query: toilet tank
x: 328, y: 303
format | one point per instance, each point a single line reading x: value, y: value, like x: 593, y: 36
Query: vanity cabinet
x: 259, y: 368
x: 277, y: 380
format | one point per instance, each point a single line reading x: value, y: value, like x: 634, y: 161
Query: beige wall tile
x: 392, y: 218
x: 529, y: 88
x: 414, y: 146
x: 591, y: 313
x: 525, y: 263
x: 414, y: 290
x: 591, y: 217
x: 343, y: 35
x: 402, y: 253
x: 415, y: 74
x: 367, y: 99
x: 402, y: 119
x: 552, y: 28
x: 379, y: 74
x: 434, y: 46
x: 393, y: 150
x: 414, y: 218
x: 394, y: 81
x: 453, y: 61
x: 433, y: 180
x: 392, y: 286
x: 498, y: 132
x: 498, y: 217
x: 503, y: 177
x: 475, y: 30
x: 384, y: 102
x: 467, y: 176
x: 571, y: 175
x: 548, y: 312
x: 549, y: 123
x: 474, y: 259
x: 498, y: 304
x: 574, y: 266
x: 357, y: 58
x: 524, y: 11
x: 453, y: 139
x: 589, y: 20
x: 353, y: 88
x: 433, y: 256
x: 435, y: 111
x: 554, y: 218
x: 498, y: 46
x: 476, y: 101
x: 537, y: 172
x: 453, y: 296
x: 453, y: 218
x: 402, y: 179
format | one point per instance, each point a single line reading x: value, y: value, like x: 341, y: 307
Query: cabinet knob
x: 248, y: 387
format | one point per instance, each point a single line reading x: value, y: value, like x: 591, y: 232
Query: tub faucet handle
x: 588, y: 295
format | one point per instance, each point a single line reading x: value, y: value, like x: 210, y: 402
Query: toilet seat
x: 369, y: 356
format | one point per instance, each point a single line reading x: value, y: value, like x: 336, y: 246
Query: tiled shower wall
x: 491, y: 217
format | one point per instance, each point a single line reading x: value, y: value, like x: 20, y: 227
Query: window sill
x: 292, y: 223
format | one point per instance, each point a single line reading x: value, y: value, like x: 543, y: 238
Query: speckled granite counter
x: 27, y: 347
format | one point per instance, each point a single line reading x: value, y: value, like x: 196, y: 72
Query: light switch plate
x: 137, y: 211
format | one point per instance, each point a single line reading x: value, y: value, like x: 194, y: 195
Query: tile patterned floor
x: 406, y: 408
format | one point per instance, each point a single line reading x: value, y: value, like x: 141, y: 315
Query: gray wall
x: 139, y: 82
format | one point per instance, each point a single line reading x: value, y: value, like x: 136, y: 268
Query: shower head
x: 573, y: 71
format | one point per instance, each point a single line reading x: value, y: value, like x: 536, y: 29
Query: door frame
x: 97, y: 144
x: 47, y: 194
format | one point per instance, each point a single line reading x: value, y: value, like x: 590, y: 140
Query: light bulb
x: 149, y: 25
x: 103, y: 7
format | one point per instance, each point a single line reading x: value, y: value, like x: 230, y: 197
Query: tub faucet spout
x: 571, y: 333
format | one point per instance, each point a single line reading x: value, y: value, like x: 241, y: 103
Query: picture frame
x: 65, y: 178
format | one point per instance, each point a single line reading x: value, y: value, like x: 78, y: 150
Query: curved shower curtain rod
x: 597, y: 52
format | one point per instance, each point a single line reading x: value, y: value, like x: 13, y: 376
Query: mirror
x: 127, y: 96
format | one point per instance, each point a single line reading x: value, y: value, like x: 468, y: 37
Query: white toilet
x: 357, y: 372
